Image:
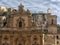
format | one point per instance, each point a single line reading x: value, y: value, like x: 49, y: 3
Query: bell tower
x: 49, y: 10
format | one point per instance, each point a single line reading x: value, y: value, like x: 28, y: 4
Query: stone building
x: 21, y: 27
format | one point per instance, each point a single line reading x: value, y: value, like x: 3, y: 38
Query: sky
x: 35, y: 6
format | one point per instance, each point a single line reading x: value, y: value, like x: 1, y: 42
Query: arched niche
x: 20, y: 23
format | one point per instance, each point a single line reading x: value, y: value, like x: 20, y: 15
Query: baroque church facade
x: 20, y: 27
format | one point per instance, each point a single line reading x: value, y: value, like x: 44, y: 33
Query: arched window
x: 44, y: 19
x: 20, y: 23
x: 6, y: 38
x: 35, y: 38
x: 57, y: 42
x: 52, y: 21
x: 57, y: 37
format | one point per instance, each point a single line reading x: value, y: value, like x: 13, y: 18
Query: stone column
x: 43, y: 39
x: 55, y: 40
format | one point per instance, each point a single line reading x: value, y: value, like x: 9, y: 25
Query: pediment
x: 21, y: 11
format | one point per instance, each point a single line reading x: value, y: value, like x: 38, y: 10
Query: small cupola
x: 49, y: 10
